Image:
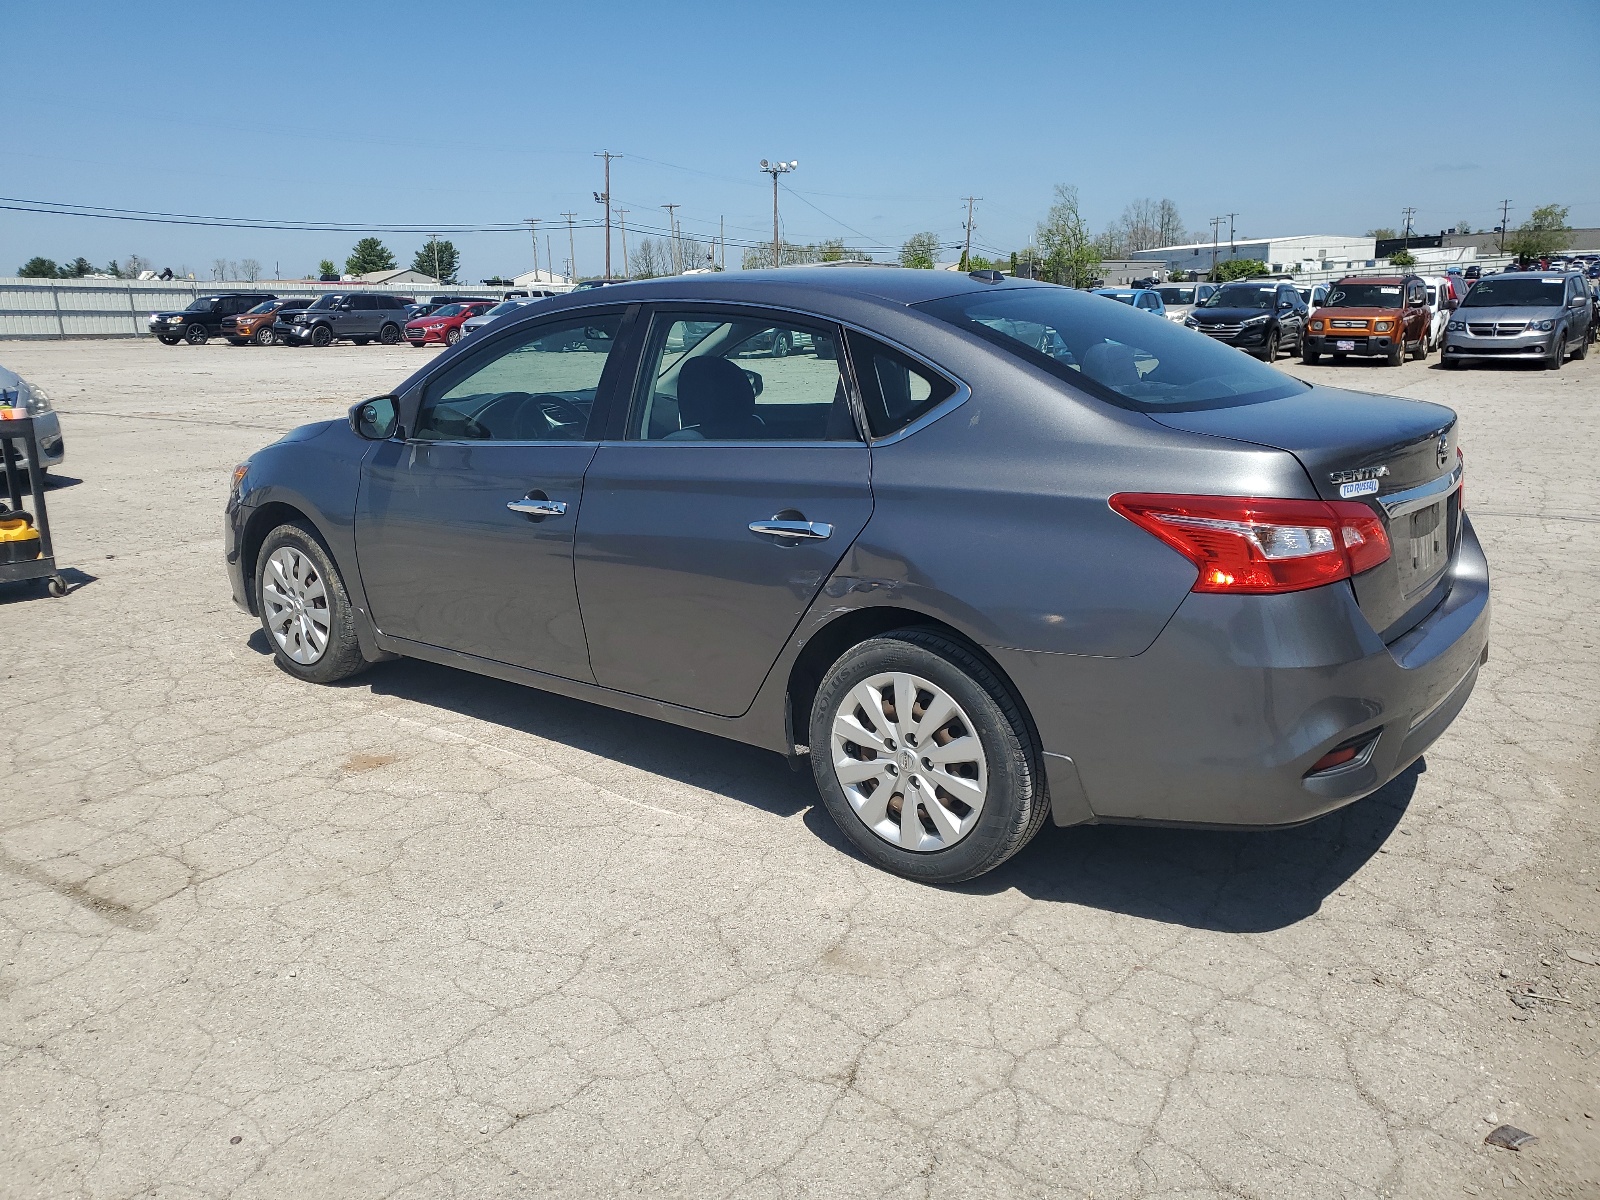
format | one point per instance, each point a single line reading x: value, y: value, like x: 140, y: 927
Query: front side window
x: 538, y: 386
x: 323, y: 303
x: 723, y: 376
x: 1112, y: 352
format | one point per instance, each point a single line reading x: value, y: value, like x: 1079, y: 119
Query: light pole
x: 776, y: 169
x: 533, y: 227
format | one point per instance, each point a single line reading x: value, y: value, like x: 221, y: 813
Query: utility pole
x: 572, y: 251
x: 722, y: 242
x: 1216, y: 226
x: 966, y: 248
x: 433, y: 240
x: 605, y: 198
x: 1505, y: 219
x: 622, y: 226
x: 776, y: 169
x: 1233, y: 250
x: 1407, y: 213
x: 533, y: 228
x: 549, y: 258
x: 672, y: 230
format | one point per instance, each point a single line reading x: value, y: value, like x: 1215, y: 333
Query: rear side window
x: 895, y: 388
x: 1113, y: 352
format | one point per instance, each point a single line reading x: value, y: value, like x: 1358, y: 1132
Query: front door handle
x: 531, y: 506
x: 792, y: 529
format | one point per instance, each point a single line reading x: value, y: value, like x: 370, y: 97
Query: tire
x: 1011, y: 801
x: 1397, y: 352
x: 195, y: 334
x: 1420, y: 354
x: 1339, y: 357
x: 168, y: 341
x: 780, y: 346
x: 265, y: 336
x: 1582, y: 352
x: 360, y: 341
x: 1309, y: 356
x: 321, y: 646
x: 1558, y: 353
x: 389, y: 335
x: 321, y: 336
x: 452, y: 336
x: 1450, y: 362
x: 1269, y: 353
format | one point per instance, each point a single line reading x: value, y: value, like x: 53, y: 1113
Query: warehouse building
x: 1283, y: 255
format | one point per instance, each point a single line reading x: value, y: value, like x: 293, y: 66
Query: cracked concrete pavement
x: 432, y: 935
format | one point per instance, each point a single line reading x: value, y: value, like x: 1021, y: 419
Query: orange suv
x: 256, y: 325
x: 1385, y: 316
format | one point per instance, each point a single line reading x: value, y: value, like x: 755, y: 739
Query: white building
x: 405, y: 278
x: 542, y: 278
x: 1283, y: 255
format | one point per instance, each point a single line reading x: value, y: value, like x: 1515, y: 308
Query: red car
x: 443, y: 326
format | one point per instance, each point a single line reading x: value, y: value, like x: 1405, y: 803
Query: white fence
x: 120, y: 308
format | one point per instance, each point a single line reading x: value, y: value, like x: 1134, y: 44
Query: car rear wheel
x: 265, y: 336
x: 923, y: 758
x: 321, y: 336
x: 780, y: 346
x: 168, y: 340
x: 304, y: 607
x: 389, y: 335
x: 195, y: 334
x: 452, y: 336
x: 1558, y: 353
x: 1270, y: 353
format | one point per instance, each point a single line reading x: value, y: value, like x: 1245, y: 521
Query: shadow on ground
x: 1242, y: 882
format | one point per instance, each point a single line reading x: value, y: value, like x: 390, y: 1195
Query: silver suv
x: 1541, y: 316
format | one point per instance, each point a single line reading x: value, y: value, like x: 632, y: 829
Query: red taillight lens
x: 1243, y: 544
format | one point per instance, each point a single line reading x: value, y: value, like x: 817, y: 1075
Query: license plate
x: 1344, y: 344
x: 1427, y: 543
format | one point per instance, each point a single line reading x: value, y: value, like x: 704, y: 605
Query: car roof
x: 896, y: 285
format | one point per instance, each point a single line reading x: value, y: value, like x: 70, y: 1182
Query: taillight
x: 1245, y: 544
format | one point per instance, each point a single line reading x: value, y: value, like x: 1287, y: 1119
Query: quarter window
x: 538, y: 386
x: 895, y: 389
x: 711, y: 376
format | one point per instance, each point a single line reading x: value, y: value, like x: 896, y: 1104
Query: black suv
x: 358, y: 317
x: 1260, y: 317
x: 203, y: 318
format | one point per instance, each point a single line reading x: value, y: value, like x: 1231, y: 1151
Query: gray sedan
x: 1538, y: 316
x: 997, y: 553
x: 17, y: 394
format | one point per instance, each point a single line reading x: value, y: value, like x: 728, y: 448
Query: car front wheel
x: 195, y: 335
x: 1558, y: 353
x: 1270, y: 352
x: 321, y: 336
x: 923, y: 758
x: 452, y: 336
x: 265, y: 336
x: 304, y: 607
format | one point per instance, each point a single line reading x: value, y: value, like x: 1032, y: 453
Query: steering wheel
x: 558, y: 411
x: 555, y: 411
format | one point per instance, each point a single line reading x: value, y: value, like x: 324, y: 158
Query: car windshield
x: 325, y: 302
x: 1118, y: 354
x: 1175, y: 295
x: 1243, y: 295
x: 451, y: 310
x: 264, y: 308
x: 1516, y: 292
x: 504, y: 307
x: 1364, y: 295
x: 202, y: 304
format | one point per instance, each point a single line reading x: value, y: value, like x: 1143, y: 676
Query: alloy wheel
x: 452, y: 336
x: 909, y: 761
x: 295, y: 600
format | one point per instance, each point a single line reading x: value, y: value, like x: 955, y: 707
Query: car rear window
x: 1114, y: 352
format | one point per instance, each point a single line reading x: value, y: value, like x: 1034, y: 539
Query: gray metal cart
x: 18, y: 431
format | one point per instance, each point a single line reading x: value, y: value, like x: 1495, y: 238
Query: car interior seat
x: 716, y: 402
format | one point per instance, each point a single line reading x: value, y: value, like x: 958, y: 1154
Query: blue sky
x: 1302, y: 118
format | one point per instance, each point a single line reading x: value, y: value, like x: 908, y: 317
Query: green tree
x: 920, y: 251
x: 38, y: 268
x: 439, y: 258
x: 1070, y: 254
x: 1238, y: 268
x: 1543, y: 233
x: 979, y: 263
x: 76, y: 269
x: 1382, y: 232
x: 369, y: 254
x: 327, y: 267
x: 1178, y: 276
x: 1402, y: 258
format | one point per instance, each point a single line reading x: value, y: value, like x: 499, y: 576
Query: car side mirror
x: 346, y: 306
x: 1580, y: 301
x: 376, y: 419
x: 755, y: 379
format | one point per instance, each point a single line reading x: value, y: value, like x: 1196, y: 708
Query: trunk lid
x: 1347, y: 442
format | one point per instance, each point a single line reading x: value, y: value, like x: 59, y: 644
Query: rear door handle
x: 792, y: 529
x: 531, y: 507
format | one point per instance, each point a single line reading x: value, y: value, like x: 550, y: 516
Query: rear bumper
x: 1221, y: 719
